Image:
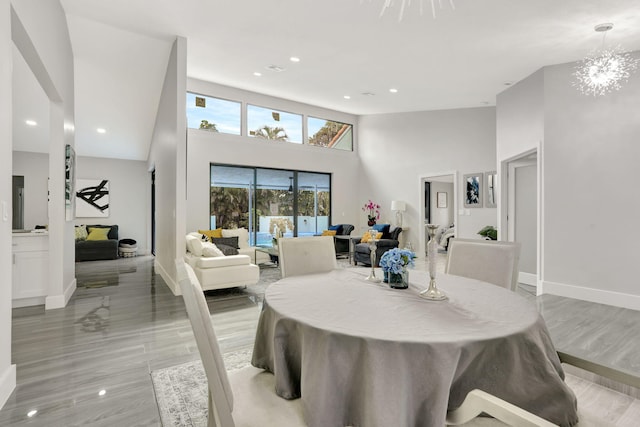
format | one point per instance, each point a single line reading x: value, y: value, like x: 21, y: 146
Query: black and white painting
x: 92, y: 198
x: 472, y: 190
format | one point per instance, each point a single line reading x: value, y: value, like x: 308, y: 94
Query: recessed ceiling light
x: 101, y: 130
x: 346, y: 97
x: 31, y: 122
x: 257, y: 74
x: 102, y: 392
x: 392, y: 90
x: 31, y: 413
x: 294, y: 59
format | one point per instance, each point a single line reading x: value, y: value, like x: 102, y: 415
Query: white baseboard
x: 60, y: 301
x: 173, y: 286
x: 7, y: 384
x: 617, y: 299
x: 528, y: 278
x: 27, y: 302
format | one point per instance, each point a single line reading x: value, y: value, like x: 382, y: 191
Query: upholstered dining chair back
x: 220, y: 394
x: 478, y: 401
x: 260, y: 406
x: 486, y: 260
x: 306, y: 255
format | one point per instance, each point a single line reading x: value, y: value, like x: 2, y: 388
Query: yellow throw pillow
x: 329, y: 232
x: 98, y: 233
x: 366, y: 237
x: 212, y: 234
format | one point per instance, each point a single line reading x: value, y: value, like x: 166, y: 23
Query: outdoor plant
x: 280, y: 224
x: 394, y: 260
x: 373, y: 211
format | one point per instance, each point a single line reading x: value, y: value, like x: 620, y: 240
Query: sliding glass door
x: 314, y: 203
x: 269, y: 201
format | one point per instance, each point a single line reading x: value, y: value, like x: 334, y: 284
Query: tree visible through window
x: 330, y: 134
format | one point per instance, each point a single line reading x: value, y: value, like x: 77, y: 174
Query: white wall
x: 397, y: 149
x: 7, y: 370
x: 206, y: 148
x: 590, y: 161
x: 129, y: 196
x: 588, y: 154
x: 35, y: 169
x: 39, y: 31
x: 167, y: 155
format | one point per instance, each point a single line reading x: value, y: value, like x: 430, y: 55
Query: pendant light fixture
x: 605, y: 69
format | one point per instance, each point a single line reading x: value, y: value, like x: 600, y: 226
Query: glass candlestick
x: 432, y: 293
x: 372, y: 247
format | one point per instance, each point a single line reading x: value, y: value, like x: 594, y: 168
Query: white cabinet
x: 30, y: 269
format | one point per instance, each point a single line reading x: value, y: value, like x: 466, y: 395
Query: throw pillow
x: 98, y: 234
x: 366, y: 237
x: 211, y: 234
x: 229, y: 241
x: 227, y: 250
x: 194, y: 245
x: 241, y: 233
x: 329, y: 232
x: 337, y: 228
x: 211, y: 250
x: 81, y: 232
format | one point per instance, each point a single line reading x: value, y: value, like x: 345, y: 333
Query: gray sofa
x: 92, y: 250
x: 362, y: 251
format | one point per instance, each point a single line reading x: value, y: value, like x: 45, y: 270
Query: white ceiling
x: 462, y: 58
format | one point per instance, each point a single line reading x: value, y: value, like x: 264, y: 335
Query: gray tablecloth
x: 363, y: 354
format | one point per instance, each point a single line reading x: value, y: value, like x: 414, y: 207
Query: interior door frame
x: 426, y: 178
x: 506, y: 200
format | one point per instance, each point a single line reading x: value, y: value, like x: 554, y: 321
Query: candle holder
x: 432, y: 293
x: 372, y: 246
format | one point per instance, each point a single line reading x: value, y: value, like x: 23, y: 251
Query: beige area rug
x: 181, y: 394
x: 181, y: 390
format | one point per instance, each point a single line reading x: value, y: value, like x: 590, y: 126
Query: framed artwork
x: 69, y: 182
x: 92, y: 198
x: 472, y: 190
x: 441, y: 199
x: 490, y: 183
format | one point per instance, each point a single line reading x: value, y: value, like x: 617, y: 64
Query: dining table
x: 360, y: 353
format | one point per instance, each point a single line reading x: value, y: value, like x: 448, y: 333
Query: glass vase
x: 399, y: 280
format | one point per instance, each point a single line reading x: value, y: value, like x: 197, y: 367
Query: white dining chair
x: 486, y: 260
x: 306, y: 255
x: 503, y: 413
x: 259, y: 404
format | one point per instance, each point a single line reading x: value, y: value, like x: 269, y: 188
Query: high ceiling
x: 461, y: 58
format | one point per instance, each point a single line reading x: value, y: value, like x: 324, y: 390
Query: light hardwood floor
x: 123, y: 322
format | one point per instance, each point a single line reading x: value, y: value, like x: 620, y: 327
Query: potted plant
x: 489, y: 233
x: 394, y: 264
x: 373, y: 212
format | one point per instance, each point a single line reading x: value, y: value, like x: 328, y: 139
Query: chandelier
x: 604, y: 70
x: 403, y: 3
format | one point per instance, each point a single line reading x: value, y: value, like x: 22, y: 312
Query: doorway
x: 438, y: 195
x: 522, y: 213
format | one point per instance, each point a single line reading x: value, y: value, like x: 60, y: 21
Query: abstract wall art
x: 92, y: 198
